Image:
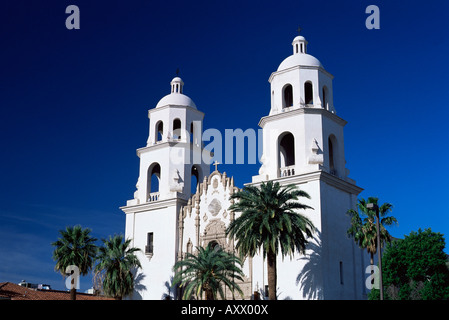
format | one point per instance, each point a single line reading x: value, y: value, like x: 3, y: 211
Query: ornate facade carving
x: 209, y: 222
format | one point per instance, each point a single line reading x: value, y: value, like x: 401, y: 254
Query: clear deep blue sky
x: 74, y: 103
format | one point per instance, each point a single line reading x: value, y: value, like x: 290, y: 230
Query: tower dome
x: 304, y: 60
x: 176, y: 97
x: 299, y: 56
x: 300, y: 82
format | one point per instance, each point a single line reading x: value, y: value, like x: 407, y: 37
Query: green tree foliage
x: 363, y: 225
x: 207, y: 272
x: 117, y: 261
x: 269, y: 220
x: 415, y: 268
x: 77, y: 248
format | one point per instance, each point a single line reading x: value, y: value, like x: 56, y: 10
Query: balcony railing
x: 153, y: 196
x: 287, y: 171
x: 149, y: 249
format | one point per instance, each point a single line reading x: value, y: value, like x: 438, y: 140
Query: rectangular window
x: 341, y: 272
x: 149, y: 246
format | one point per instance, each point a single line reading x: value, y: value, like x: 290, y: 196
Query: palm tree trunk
x: 209, y: 294
x: 271, y: 272
x: 371, y: 260
x: 73, y: 294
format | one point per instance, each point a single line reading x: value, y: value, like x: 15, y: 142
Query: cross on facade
x: 216, y: 163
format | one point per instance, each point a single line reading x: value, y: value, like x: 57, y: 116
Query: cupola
x: 176, y: 85
x: 176, y: 96
x: 299, y: 45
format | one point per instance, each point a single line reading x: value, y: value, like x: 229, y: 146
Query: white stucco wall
x: 158, y: 268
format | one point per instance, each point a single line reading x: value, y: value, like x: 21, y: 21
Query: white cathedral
x: 302, y: 145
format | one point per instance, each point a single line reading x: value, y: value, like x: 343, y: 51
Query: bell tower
x: 302, y: 132
x: 303, y: 145
x: 171, y: 168
x: 172, y: 156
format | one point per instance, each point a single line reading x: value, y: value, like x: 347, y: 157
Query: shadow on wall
x: 309, y: 278
x: 170, y: 290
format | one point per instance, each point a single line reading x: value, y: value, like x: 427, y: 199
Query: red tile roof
x: 13, y: 291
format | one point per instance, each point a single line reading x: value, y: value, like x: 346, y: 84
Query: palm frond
x: 268, y: 216
x: 363, y: 224
x: 207, y: 271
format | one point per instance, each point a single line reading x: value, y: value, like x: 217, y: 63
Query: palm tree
x: 269, y: 220
x: 117, y: 261
x: 363, y: 227
x: 207, y: 272
x: 77, y: 248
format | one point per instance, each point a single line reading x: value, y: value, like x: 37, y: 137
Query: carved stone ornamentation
x: 215, y: 227
x: 214, y: 207
x: 216, y: 231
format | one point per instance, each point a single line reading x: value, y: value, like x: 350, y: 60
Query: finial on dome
x: 299, y: 31
x: 176, y: 84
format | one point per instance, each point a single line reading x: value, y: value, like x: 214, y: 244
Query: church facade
x: 179, y: 205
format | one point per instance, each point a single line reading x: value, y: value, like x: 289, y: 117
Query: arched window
x: 195, y: 178
x: 214, y: 245
x: 332, y: 145
x: 159, y: 131
x: 286, y: 158
x: 287, y: 96
x: 308, y: 92
x: 153, y: 182
x: 177, y: 129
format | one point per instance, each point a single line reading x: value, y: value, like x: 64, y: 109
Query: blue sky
x: 74, y: 103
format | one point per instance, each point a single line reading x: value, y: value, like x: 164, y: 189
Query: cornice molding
x: 160, y: 145
x: 275, y: 73
x: 301, y: 111
x: 149, y: 206
x: 174, y: 106
x: 314, y: 176
x: 340, y: 183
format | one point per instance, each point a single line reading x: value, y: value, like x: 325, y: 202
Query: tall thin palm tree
x: 207, y: 272
x: 269, y: 220
x: 117, y: 260
x: 363, y: 225
x: 75, y: 247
